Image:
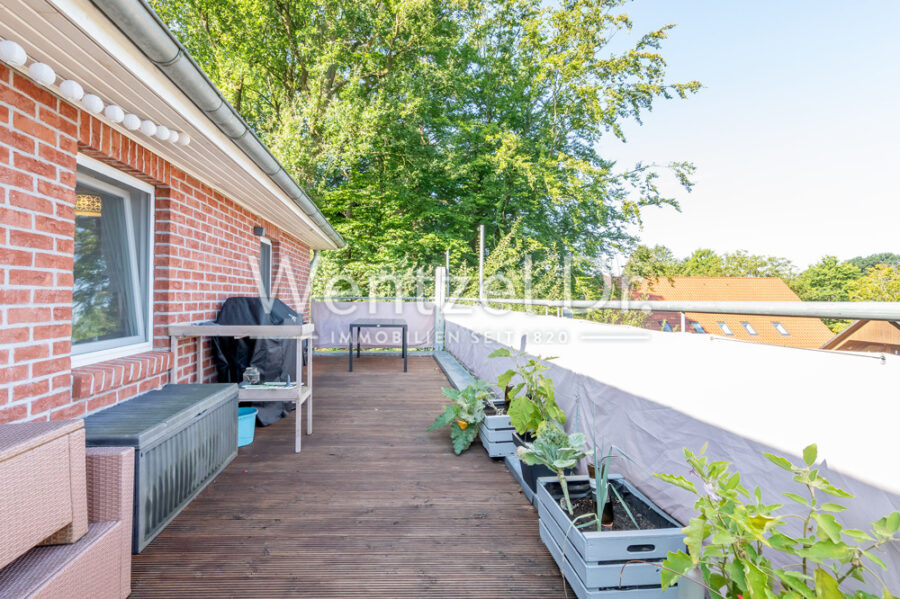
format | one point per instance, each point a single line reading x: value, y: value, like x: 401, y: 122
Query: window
x: 698, y: 328
x: 780, y: 328
x: 265, y: 265
x: 749, y: 328
x: 725, y: 328
x: 111, y: 296
x: 666, y: 326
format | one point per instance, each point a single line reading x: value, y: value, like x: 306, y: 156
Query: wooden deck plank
x: 374, y: 506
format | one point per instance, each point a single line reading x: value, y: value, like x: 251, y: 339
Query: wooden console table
x: 300, y: 394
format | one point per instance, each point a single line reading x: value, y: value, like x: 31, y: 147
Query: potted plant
x: 733, y: 525
x: 620, y: 559
x: 464, y: 416
x: 532, y: 404
x: 605, y: 542
x: 558, y: 452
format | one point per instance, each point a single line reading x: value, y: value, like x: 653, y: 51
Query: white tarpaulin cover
x: 333, y: 318
x: 653, y: 393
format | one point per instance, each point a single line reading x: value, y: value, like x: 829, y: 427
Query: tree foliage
x: 735, y: 537
x: 411, y: 122
x: 659, y: 261
x: 881, y: 284
x: 864, y: 263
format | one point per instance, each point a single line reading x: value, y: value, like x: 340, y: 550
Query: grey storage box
x: 183, y: 436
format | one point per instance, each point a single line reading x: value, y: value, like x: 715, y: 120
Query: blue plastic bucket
x: 246, y: 425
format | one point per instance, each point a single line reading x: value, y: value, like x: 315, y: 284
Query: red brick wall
x: 203, y: 248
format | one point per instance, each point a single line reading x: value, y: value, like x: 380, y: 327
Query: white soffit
x: 80, y: 43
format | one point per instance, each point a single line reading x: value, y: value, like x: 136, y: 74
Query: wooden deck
x: 374, y: 506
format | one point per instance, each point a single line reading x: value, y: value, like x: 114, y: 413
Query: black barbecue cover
x: 276, y: 359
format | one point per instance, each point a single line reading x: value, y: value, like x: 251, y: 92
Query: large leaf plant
x: 556, y: 450
x: 464, y: 415
x: 532, y: 400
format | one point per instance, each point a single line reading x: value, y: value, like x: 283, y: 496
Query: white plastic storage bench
x: 183, y: 436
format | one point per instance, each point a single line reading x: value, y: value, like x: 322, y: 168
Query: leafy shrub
x: 532, y: 402
x: 730, y: 539
x: 464, y: 415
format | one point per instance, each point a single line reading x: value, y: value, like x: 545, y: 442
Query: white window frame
x: 782, y: 330
x: 268, y: 275
x: 751, y: 330
x: 725, y: 328
x: 88, y: 357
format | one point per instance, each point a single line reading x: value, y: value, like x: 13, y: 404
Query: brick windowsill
x: 94, y: 379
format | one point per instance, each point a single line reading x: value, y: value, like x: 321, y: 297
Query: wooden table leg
x: 309, y: 384
x: 200, y: 359
x: 297, y: 427
x: 351, y: 348
x: 404, y: 348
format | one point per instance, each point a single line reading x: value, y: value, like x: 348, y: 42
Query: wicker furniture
x: 99, y: 564
x: 42, y: 486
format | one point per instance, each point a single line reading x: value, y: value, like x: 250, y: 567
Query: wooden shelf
x: 295, y: 394
x: 304, y: 331
x: 299, y: 395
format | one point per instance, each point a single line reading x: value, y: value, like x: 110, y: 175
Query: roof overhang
x: 80, y: 42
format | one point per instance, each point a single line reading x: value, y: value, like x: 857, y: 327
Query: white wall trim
x: 114, y: 173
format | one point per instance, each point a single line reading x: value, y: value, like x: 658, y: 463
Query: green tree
x: 864, y: 263
x: 652, y: 262
x: 744, y: 264
x: 826, y: 281
x: 881, y: 284
x: 703, y: 263
x: 659, y: 261
x: 411, y: 122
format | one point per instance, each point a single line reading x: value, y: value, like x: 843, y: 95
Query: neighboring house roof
x: 880, y: 336
x: 773, y: 330
x: 120, y: 51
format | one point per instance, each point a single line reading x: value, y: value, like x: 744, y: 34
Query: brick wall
x: 203, y: 249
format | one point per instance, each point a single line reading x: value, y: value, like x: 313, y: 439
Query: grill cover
x: 276, y: 359
x: 183, y: 436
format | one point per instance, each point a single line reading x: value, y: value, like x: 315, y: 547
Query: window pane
x: 698, y: 328
x: 780, y: 328
x: 109, y: 270
x: 725, y: 328
x: 749, y: 327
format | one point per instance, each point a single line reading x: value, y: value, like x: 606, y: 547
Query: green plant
x: 532, y: 402
x: 734, y: 535
x: 464, y: 415
x: 599, y: 461
x: 556, y: 450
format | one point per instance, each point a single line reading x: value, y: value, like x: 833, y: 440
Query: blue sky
x: 795, y: 136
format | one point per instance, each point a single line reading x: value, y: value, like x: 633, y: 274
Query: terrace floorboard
x: 374, y: 506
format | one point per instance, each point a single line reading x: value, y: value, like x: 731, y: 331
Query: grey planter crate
x: 496, y: 435
x: 183, y: 436
x: 597, y: 574
x: 593, y: 561
x: 582, y: 592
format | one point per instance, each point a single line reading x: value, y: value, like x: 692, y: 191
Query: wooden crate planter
x: 593, y: 562
x: 496, y: 436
